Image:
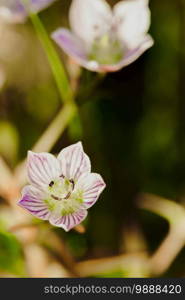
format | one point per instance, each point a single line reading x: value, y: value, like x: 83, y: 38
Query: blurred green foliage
x: 11, y: 258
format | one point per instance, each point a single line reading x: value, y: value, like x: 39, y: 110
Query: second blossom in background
x: 16, y: 11
x: 104, y: 39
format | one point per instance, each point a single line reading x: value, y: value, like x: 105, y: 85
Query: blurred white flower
x: 105, y: 40
x: 62, y: 188
x: 16, y: 11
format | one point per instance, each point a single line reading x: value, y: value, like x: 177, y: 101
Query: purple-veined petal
x: 74, y: 161
x: 32, y: 200
x: 132, y: 19
x: 42, y: 169
x: 71, y: 44
x: 90, y: 19
x: 75, y: 48
x: 67, y: 222
x: 91, y: 186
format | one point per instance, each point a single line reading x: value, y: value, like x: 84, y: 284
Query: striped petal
x: 75, y: 48
x: 42, y: 169
x: 71, y: 44
x: 91, y: 186
x: 33, y: 201
x: 133, y: 19
x: 90, y: 19
x: 69, y: 221
x: 74, y: 161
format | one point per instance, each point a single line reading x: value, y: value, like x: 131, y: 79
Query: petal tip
x: 19, y: 203
x: 30, y: 154
x: 55, y: 33
x: 79, y: 144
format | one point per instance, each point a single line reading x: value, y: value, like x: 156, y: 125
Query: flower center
x: 106, y: 49
x: 61, y: 188
x: 62, y: 198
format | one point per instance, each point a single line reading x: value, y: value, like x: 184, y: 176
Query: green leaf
x: 11, y: 257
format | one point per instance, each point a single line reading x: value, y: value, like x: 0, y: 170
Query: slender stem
x: 58, y: 125
x: 167, y: 209
x: 175, y: 239
x: 57, y: 68
x: 84, y: 93
x: 168, y: 250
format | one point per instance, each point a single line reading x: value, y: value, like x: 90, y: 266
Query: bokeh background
x: 132, y: 125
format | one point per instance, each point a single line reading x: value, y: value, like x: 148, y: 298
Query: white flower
x: 105, y: 40
x: 62, y: 188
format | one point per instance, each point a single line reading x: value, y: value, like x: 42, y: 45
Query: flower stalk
x: 57, y: 68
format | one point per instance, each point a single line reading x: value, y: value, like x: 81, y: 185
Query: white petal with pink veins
x: 90, y: 19
x: 42, y: 169
x: 91, y: 186
x: 33, y: 201
x: 69, y: 221
x: 133, y: 20
x: 74, y: 161
x: 71, y: 44
x: 75, y: 48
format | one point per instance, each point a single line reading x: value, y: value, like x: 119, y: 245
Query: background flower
x: 106, y: 40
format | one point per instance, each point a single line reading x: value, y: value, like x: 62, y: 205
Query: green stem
x: 57, y: 68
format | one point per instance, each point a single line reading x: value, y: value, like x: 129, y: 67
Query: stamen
x: 62, y: 189
x: 51, y: 183
x: 56, y: 198
x: 68, y: 195
x: 106, y: 49
x: 73, y: 183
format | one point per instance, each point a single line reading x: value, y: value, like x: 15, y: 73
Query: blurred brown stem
x: 175, y: 240
x: 122, y: 263
x: 79, y: 228
x: 9, y: 189
x: 60, y: 251
x: 20, y: 226
x: 168, y: 250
